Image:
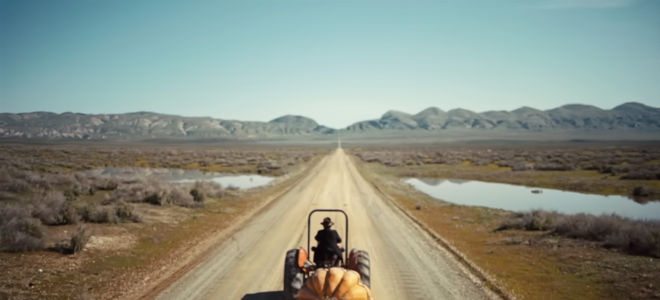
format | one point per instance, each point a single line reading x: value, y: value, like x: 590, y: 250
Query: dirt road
x: 405, y: 262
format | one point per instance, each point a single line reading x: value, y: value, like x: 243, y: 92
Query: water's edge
x: 522, y: 198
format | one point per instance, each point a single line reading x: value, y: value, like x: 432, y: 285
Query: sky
x: 335, y: 61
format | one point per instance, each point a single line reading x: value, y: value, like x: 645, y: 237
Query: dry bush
x: 79, y: 239
x: 52, y: 208
x: 552, y: 166
x: 140, y: 190
x: 198, y: 196
x: 631, y: 236
x: 651, y: 172
x: 180, y: 195
x: 534, y: 220
x: 636, y: 238
x: 11, y: 181
x: 589, y: 227
x: 75, y: 243
x: 209, y: 188
x: 642, y: 191
x: 99, y: 214
x: 114, y: 213
x: 515, y: 164
x: 125, y: 212
x: 153, y: 192
x: 106, y: 184
x: 18, y: 230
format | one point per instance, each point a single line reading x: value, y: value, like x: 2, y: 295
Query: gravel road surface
x: 405, y: 262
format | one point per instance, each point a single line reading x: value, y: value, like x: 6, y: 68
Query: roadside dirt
x: 406, y: 262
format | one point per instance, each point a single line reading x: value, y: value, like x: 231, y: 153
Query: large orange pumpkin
x: 338, y: 283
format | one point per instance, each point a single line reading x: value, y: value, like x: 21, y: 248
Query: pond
x: 521, y: 198
x: 241, y: 181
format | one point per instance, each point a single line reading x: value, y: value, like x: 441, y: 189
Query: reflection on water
x: 437, y: 181
x: 520, y: 198
x: 184, y: 176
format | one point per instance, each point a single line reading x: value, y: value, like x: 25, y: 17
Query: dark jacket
x: 328, y: 239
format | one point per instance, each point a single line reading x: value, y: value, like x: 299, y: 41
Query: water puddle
x: 243, y: 181
x: 521, y: 198
x: 239, y: 181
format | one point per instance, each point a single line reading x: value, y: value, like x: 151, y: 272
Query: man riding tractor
x: 328, y: 277
x: 328, y: 252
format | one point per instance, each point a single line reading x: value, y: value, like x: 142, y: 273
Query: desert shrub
x: 534, y: 220
x: 516, y: 165
x: 209, y: 188
x: 8, y: 196
x: 19, y: 231
x: 552, y: 166
x: 589, y: 227
x: 198, y: 196
x: 115, y: 213
x: 153, y: 192
x: 79, y: 239
x: 179, y: 195
x: 156, y: 198
x: 36, y: 181
x: 612, y: 231
x: 636, y: 239
x: 52, y: 208
x: 99, y: 214
x: 616, y: 169
x: 644, y: 174
x: 10, y: 182
x: 125, y: 212
x: 75, y: 243
x: 106, y: 184
x: 641, y: 191
x: 138, y: 191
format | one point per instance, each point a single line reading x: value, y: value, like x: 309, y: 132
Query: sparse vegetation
x: 541, y: 259
x: 60, y: 198
x: 612, y: 231
x: 637, y: 162
x: 79, y: 239
x: 608, y: 170
x: 76, y: 243
x: 53, y: 186
x: 59, y: 159
x: 52, y: 208
x: 19, y: 231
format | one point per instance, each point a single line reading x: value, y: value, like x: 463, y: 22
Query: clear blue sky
x: 334, y: 61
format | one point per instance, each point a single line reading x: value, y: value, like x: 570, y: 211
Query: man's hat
x: 327, y: 222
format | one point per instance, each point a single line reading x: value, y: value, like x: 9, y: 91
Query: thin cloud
x: 566, y: 4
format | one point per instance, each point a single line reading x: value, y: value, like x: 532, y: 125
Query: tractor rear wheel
x: 293, y: 275
x: 364, y: 267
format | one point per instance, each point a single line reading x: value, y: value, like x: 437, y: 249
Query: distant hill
x: 628, y: 117
x: 147, y: 125
x: 573, y: 117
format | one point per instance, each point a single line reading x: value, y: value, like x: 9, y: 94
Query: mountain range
x: 635, y: 117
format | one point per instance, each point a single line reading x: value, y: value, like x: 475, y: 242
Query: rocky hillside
x: 146, y: 125
x: 575, y: 116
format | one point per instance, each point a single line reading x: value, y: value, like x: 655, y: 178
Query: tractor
x: 347, y: 277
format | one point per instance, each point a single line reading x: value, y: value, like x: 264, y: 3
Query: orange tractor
x: 341, y: 278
